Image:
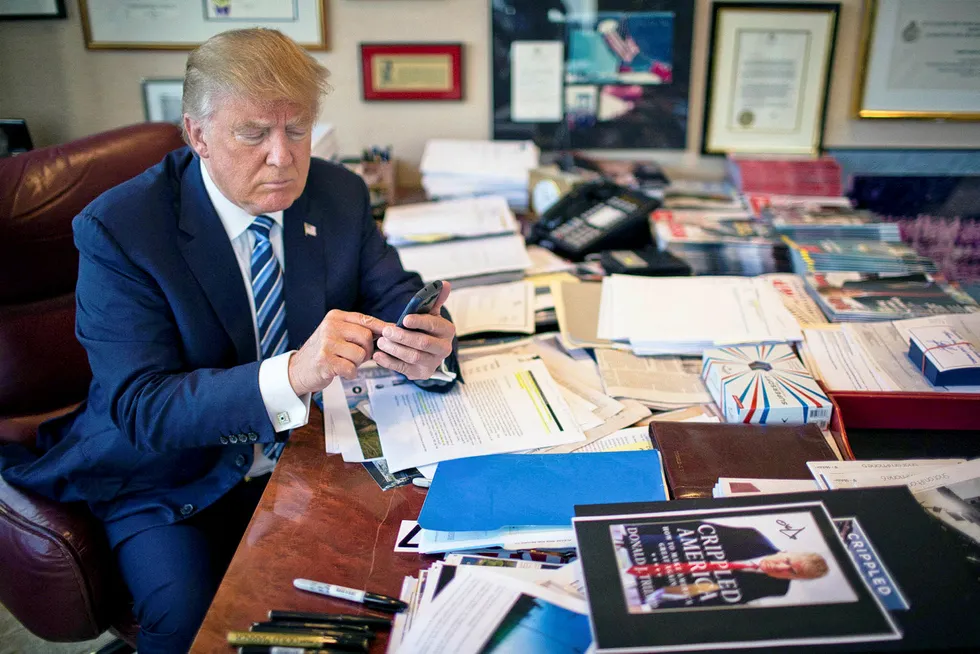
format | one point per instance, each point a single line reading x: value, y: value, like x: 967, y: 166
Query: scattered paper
x: 431, y: 222
x: 859, y: 474
x: 338, y: 426
x: 508, y: 538
x: 665, y: 382
x: 466, y: 259
x: 496, y: 308
x: 624, y: 440
x: 506, y: 405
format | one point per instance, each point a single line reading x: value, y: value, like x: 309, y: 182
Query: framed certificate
x: 768, y: 75
x: 32, y: 9
x: 185, y: 24
x: 412, y: 71
x: 920, y: 59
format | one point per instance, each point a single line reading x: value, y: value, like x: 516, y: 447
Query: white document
x: 952, y: 494
x: 664, y: 382
x: 430, y: 222
x: 402, y: 622
x: 469, y: 610
x: 496, y: 308
x: 698, y: 312
x: 467, y: 258
x: 547, y: 262
x: 632, y: 413
x: 339, y: 434
x: 537, y: 69
x: 508, y: 538
x: 883, y: 469
x: 505, y: 405
x: 874, y: 356
x: 624, y: 440
x: 792, y: 291
x: 510, y: 160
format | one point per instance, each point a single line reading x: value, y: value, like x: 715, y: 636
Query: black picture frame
x: 717, y: 8
x: 658, y: 118
x: 59, y: 12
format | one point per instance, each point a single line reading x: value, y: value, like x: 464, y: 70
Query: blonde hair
x: 813, y: 565
x: 260, y: 65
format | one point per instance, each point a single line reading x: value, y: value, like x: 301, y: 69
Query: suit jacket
x: 739, y: 544
x: 174, y: 408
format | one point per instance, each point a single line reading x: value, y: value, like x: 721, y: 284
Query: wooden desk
x: 321, y: 519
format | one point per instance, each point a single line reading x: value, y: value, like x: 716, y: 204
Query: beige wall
x: 65, y: 91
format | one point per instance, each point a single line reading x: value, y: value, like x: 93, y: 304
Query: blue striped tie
x: 270, y: 308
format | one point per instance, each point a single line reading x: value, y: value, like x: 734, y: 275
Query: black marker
x: 331, y: 618
x: 370, y: 600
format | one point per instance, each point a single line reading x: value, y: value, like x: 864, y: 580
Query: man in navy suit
x: 198, y: 370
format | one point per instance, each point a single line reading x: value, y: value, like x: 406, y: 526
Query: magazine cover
x: 772, y: 575
x: 863, y: 296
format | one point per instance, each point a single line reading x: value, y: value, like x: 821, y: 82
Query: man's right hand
x: 341, y: 343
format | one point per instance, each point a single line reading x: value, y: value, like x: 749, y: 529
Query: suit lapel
x: 212, y: 261
x: 304, y: 237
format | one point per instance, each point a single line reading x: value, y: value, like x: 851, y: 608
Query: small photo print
x: 621, y: 48
x: 534, y: 625
x: 581, y: 104
x: 957, y: 504
x: 748, y: 561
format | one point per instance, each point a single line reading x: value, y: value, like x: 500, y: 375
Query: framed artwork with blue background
x: 592, y: 74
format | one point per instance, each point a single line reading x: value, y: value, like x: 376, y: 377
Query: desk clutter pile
x: 631, y: 460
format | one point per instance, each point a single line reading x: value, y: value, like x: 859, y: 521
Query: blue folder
x: 485, y: 493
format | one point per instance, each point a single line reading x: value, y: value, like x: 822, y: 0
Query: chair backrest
x: 42, y: 365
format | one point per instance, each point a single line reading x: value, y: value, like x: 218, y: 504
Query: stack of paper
x: 475, y: 604
x: 457, y: 168
x: 495, y: 308
x: 831, y: 475
x: 469, y: 262
x: 431, y: 222
x: 662, y: 383
x: 694, y: 313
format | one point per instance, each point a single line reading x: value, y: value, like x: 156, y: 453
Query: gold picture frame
x: 110, y: 25
x: 870, y: 29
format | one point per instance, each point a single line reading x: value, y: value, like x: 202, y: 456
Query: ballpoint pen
x: 349, y: 629
x: 239, y: 638
x: 370, y: 600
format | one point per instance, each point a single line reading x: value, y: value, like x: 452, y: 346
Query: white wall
x: 65, y: 91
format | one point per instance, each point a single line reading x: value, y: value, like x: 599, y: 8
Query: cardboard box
x: 764, y: 384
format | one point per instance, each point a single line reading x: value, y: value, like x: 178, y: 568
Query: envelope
x: 485, y: 493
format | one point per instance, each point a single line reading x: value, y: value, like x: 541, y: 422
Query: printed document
x: 495, y: 308
x: 509, y: 160
x: 430, y: 222
x: 338, y: 427
x: 874, y: 356
x: 665, y: 382
x: 466, y: 258
x: 505, y: 405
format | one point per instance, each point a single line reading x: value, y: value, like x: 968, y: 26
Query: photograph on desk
x: 763, y: 575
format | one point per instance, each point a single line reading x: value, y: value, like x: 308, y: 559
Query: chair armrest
x: 56, y: 569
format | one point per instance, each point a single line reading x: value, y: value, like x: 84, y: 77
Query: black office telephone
x: 593, y: 217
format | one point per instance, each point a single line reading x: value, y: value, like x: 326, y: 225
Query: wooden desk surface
x: 321, y: 519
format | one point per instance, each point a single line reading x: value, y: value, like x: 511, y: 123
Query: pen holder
x: 381, y: 180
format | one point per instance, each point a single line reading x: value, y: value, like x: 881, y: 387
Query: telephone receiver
x: 593, y: 217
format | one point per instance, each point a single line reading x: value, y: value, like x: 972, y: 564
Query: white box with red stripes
x: 764, y: 384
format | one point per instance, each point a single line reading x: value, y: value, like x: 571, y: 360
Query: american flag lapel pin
x: 309, y: 230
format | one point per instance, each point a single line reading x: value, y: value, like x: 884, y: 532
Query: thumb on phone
x: 443, y: 296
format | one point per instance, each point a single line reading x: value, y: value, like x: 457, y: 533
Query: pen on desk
x: 370, y: 600
x: 331, y: 618
x: 321, y: 629
x: 239, y: 638
x: 353, y: 629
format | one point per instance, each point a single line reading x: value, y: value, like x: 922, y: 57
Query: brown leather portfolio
x: 695, y: 455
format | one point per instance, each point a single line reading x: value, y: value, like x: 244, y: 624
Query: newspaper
x: 664, y: 382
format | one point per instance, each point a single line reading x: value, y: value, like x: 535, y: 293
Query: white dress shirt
x: 286, y: 409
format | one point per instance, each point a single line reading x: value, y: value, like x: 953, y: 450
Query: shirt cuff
x: 443, y: 373
x: 286, y: 409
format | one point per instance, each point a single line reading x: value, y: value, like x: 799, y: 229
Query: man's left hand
x: 419, y: 349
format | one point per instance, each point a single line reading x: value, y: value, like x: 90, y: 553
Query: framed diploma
x: 768, y: 75
x: 31, y: 9
x: 185, y: 24
x: 921, y: 59
x: 412, y: 71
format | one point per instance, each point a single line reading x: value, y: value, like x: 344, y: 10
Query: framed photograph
x: 768, y: 76
x: 162, y: 100
x: 32, y: 9
x: 582, y: 75
x: 141, y: 25
x: 919, y: 59
x: 412, y: 71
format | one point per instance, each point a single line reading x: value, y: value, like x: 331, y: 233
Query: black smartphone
x: 422, y: 302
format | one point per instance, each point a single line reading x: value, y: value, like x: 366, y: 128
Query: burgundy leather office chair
x: 57, y: 575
